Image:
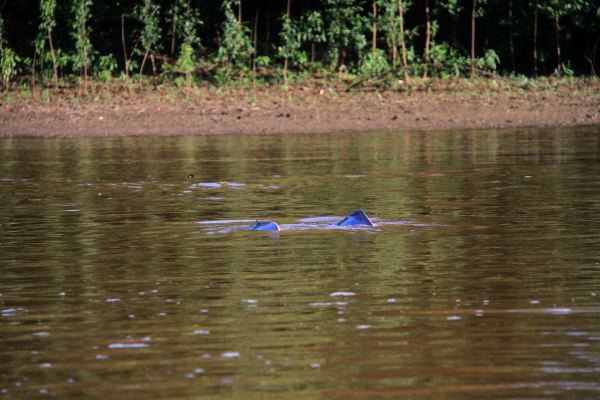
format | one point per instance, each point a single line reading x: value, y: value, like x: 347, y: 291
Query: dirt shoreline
x: 298, y: 110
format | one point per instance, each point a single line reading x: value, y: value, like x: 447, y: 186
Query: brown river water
x: 123, y: 278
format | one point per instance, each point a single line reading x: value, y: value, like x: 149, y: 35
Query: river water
x: 121, y: 277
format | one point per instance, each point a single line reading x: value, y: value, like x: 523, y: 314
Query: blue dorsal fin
x: 265, y: 226
x: 358, y: 217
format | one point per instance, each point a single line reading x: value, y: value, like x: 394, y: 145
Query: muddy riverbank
x: 301, y: 109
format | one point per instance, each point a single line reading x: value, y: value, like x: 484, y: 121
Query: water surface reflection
x: 111, y: 288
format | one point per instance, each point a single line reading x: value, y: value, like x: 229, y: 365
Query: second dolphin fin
x: 358, y: 217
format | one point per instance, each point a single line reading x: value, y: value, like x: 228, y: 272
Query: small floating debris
x: 328, y: 303
x: 201, y: 332
x: 209, y: 185
x: 315, y: 365
x: 128, y: 345
x: 235, y: 185
x: 41, y: 334
x: 113, y: 300
x: 453, y: 318
x: 250, y: 302
x: 559, y: 311
x: 230, y: 354
x: 363, y: 327
x: 342, y: 294
x: 10, y: 312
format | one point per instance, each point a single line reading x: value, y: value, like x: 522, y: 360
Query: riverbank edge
x: 298, y: 109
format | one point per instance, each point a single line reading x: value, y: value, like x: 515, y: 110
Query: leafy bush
x: 263, y: 61
x: 374, y: 63
x: 235, y: 48
x: 105, y: 67
x: 345, y: 31
x: 489, y: 61
x: 8, y: 66
x: 81, y: 34
x: 185, y: 62
x: 291, y: 40
x: 446, y: 61
x: 148, y: 15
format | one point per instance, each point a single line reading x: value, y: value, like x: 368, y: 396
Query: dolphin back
x: 358, y: 217
x: 265, y: 226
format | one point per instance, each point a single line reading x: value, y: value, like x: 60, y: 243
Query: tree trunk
x: 427, y: 38
x: 374, y: 26
x: 285, y: 61
x: 174, y: 29
x: 85, y: 64
x: 557, y: 28
x: 255, y: 35
x: 240, y: 12
x: 510, y: 35
x: 591, y: 57
x: 33, y: 72
x: 124, y: 42
x: 144, y: 61
x: 402, y: 40
x: 535, y: 36
x: 153, y: 65
x: 394, y: 48
x: 473, y: 17
x: 54, y: 68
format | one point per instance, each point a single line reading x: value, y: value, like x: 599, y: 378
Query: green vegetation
x: 189, y: 42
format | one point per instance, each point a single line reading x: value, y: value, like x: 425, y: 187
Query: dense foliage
x: 57, y: 42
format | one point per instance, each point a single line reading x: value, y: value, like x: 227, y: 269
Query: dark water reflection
x: 110, y: 288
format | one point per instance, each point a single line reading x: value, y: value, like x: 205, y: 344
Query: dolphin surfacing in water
x: 265, y: 226
x: 356, y: 218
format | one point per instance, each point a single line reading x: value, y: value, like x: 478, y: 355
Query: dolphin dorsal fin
x: 358, y: 217
x: 265, y: 226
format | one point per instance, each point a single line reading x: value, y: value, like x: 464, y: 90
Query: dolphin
x: 265, y: 226
x: 356, y: 218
